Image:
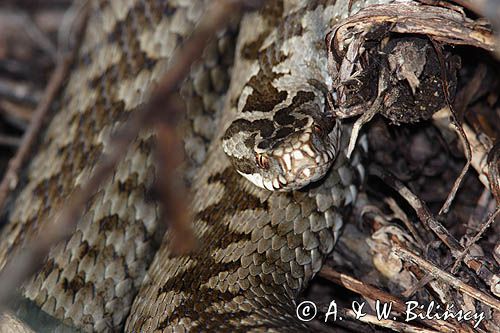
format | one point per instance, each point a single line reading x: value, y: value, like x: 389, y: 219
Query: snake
x: 270, y: 180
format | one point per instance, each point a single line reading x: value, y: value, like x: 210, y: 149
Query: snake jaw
x: 306, y: 160
x: 279, y: 157
x: 303, y: 159
x: 290, y: 163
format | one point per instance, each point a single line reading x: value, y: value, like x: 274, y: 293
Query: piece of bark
x: 358, y: 45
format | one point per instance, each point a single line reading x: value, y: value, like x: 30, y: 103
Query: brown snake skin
x: 258, y: 249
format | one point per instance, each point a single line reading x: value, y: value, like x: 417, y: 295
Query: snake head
x: 283, y: 158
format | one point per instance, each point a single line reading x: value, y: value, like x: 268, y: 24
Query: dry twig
x: 494, y: 171
x: 171, y: 190
x: 446, y: 277
x: 9, y: 141
x: 479, y: 152
x: 433, y: 224
x: 473, y: 241
x: 20, y: 114
x: 10, y: 178
x: 36, y: 35
x: 486, y: 8
x: 373, y: 293
x: 458, y: 128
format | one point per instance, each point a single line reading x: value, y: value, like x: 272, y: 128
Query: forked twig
x: 373, y: 293
x: 432, y: 223
x: 362, y: 120
x: 473, y: 241
x: 479, y: 151
x: 439, y: 274
x: 458, y: 128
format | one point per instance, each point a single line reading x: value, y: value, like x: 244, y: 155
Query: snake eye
x: 262, y: 161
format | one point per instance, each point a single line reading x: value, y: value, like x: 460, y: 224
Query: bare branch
x: 373, y: 293
x: 10, y: 179
x: 473, y: 241
x: 439, y: 274
x: 432, y: 223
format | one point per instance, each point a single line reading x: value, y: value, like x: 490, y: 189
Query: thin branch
x: 439, y: 274
x: 400, y: 214
x: 479, y: 153
x: 493, y: 161
x: 373, y: 293
x: 474, y: 240
x: 432, y: 223
x: 9, y: 141
x: 458, y: 128
x: 468, y: 155
x: 10, y: 179
x: 36, y: 35
x: 417, y: 286
x: 365, y: 118
x: 171, y: 189
x: 19, y: 113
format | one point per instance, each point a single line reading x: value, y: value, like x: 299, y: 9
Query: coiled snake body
x: 258, y: 248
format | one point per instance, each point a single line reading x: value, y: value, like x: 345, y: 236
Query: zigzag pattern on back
x: 258, y: 249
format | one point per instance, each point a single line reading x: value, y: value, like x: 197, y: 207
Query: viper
x: 270, y: 180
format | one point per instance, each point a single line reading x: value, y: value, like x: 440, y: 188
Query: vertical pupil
x: 261, y: 161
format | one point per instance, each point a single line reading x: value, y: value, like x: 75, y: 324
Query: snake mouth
x: 293, y: 179
x: 300, y: 169
x: 303, y: 159
x: 292, y: 162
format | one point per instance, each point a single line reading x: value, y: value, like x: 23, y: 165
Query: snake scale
x: 258, y: 248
